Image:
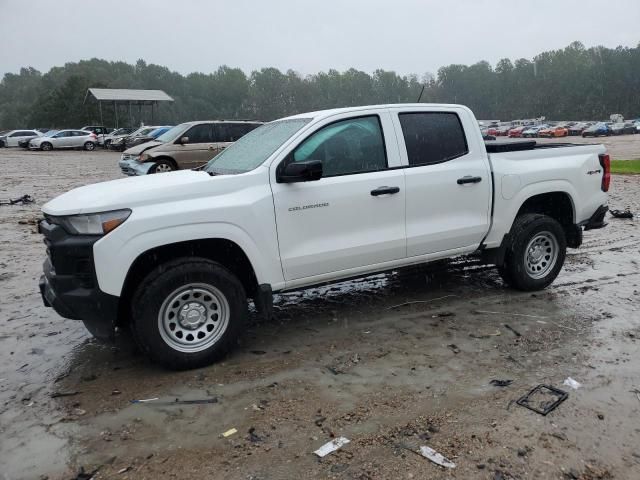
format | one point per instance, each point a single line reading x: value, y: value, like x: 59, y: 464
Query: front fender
x: 114, y: 257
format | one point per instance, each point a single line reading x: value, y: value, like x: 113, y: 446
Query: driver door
x: 353, y: 217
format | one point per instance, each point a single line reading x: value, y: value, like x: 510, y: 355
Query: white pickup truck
x: 310, y: 199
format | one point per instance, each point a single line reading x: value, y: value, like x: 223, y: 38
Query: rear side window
x: 433, y: 137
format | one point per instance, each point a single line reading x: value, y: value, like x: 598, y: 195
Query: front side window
x: 199, y: 133
x: 349, y: 146
x: 432, y: 137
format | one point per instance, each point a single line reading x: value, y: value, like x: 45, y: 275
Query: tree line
x: 572, y: 83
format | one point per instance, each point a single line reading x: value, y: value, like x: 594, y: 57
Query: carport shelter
x: 122, y: 96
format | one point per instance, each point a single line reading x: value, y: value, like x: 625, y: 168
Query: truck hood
x: 134, y: 191
x: 138, y: 149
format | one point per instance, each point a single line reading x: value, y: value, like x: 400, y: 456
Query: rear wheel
x: 188, y: 313
x: 89, y: 146
x: 535, y: 253
x: 46, y: 146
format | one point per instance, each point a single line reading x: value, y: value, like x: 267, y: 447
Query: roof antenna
x: 421, y: 92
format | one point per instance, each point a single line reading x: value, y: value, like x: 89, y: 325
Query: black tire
x: 157, y: 293
x: 162, y: 166
x: 46, y: 146
x: 518, y: 264
x: 89, y: 146
x: 2, y: 144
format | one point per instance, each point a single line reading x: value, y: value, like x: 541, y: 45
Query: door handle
x: 384, y: 191
x: 469, y: 179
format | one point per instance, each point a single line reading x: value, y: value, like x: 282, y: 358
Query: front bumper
x: 134, y: 167
x: 69, y: 284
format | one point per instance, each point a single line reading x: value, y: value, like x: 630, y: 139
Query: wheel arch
x: 221, y: 250
x: 166, y: 158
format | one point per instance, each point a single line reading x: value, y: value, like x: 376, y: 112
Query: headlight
x: 143, y: 157
x: 92, y: 224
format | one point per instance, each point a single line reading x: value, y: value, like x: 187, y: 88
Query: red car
x: 516, y: 132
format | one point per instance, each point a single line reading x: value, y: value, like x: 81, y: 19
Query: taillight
x: 605, y: 163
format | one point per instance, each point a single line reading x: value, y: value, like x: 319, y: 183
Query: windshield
x: 255, y: 147
x: 158, y: 131
x: 173, y: 133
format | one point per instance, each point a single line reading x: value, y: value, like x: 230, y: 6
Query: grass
x: 625, y: 166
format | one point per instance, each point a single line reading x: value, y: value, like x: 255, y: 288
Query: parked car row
x: 558, y: 130
x: 188, y: 145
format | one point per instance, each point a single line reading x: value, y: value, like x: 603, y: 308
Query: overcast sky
x: 408, y: 36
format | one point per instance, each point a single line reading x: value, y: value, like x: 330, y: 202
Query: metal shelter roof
x: 128, y: 95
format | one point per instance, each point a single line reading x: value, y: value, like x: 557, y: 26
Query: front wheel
x: 188, y: 312
x: 46, y: 146
x: 162, y: 166
x: 535, y: 252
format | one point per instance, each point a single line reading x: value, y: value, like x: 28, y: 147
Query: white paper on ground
x: 436, y: 458
x: 331, y: 446
x: 570, y: 382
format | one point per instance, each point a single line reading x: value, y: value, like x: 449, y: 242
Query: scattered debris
x: 419, y: 301
x: 487, y: 312
x: 253, y: 437
x: 115, y: 391
x: 229, y: 432
x: 435, y: 457
x: 23, y: 200
x: 600, y: 416
x: 570, y: 382
x: 177, y: 401
x: 331, y: 446
x: 543, y: 399
x: 621, y: 213
x: 454, y: 348
x: 258, y: 352
x: 124, y: 470
x: 485, y: 335
x: 515, y: 332
x: 82, y: 475
x: 78, y: 412
x: 501, y: 383
x: 64, y: 394
x: 637, y: 392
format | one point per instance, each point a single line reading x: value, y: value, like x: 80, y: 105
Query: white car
x: 310, y: 199
x: 65, y: 139
x: 12, y: 137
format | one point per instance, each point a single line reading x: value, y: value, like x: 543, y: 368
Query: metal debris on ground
x: 23, y: 200
x: 419, y: 301
x: 331, y: 446
x: 229, y: 432
x: 543, y: 399
x: 515, y: 332
x: 637, y: 392
x: 487, y: 312
x: 570, y: 382
x: 437, y: 458
x: 485, y: 335
x: 501, y: 383
x: 145, y: 400
x: 63, y: 394
x: 621, y: 213
x: 454, y: 348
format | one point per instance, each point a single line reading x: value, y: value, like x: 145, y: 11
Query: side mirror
x: 184, y: 140
x: 308, y: 171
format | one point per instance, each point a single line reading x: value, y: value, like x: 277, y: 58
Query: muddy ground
x: 353, y: 360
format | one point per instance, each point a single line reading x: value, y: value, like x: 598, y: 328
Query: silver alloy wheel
x: 89, y: 146
x: 541, y: 255
x: 193, y: 317
x: 163, y: 168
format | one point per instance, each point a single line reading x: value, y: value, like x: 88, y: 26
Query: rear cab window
x: 432, y: 137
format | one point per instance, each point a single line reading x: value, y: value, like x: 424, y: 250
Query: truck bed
x: 522, y: 145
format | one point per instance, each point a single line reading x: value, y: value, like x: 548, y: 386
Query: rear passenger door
x: 448, y: 181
